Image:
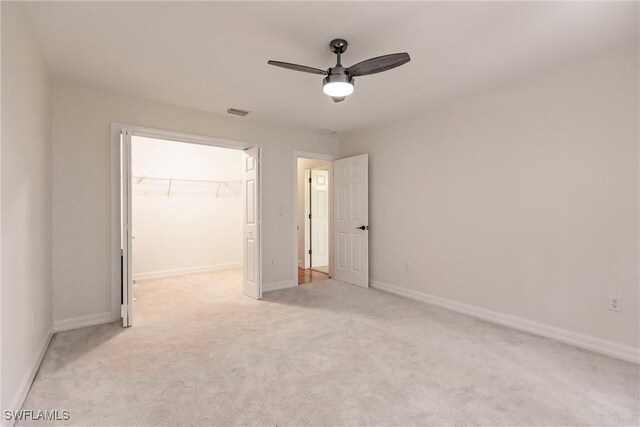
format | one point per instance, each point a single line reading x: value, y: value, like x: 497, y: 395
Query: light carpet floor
x: 325, y: 353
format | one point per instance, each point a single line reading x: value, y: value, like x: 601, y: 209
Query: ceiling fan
x: 338, y: 83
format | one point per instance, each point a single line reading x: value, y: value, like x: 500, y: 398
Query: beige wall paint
x: 523, y: 200
x: 302, y: 165
x: 81, y: 169
x: 26, y: 206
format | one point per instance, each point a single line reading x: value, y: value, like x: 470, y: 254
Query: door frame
x: 297, y: 154
x: 115, y: 224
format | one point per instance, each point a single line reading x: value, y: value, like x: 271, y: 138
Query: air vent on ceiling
x: 238, y: 112
x: 327, y: 131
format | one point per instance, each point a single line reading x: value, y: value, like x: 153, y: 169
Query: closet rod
x: 140, y: 180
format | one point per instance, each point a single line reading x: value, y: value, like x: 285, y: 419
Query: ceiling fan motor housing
x: 337, y: 74
x: 338, y: 84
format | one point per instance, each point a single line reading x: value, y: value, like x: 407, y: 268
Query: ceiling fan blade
x: 378, y: 64
x: 297, y: 67
x: 338, y: 98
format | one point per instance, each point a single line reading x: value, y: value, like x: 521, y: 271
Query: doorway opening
x: 188, y: 222
x: 314, y: 219
x: 187, y: 210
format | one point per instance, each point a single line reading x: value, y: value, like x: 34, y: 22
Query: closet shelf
x: 145, y: 185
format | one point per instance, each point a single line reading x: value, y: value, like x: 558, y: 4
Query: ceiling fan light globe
x: 337, y: 89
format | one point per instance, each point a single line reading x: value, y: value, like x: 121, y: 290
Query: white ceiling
x: 212, y: 56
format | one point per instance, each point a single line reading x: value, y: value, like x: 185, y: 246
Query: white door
x: 351, y: 222
x: 126, y: 226
x: 319, y: 218
x: 251, y: 233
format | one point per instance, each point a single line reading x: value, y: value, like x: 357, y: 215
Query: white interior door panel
x: 351, y: 221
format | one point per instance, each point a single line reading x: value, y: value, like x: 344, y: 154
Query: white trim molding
x: 630, y: 354
x: 183, y: 271
x: 82, y: 321
x: 25, y: 385
x: 276, y: 286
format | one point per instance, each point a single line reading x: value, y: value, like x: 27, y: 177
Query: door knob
x: 362, y: 227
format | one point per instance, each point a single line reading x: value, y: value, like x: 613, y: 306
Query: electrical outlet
x: 614, y: 303
x: 407, y: 266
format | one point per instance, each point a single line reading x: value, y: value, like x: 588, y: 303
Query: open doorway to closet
x: 187, y: 228
x: 314, y: 219
x: 189, y: 224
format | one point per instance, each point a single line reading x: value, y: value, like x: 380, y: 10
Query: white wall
x: 26, y: 206
x: 523, y: 200
x: 302, y: 165
x: 191, y: 228
x: 81, y: 172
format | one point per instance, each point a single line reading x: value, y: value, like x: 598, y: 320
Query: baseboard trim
x: 183, y: 271
x: 276, y: 286
x: 82, y: 321
x: 25, y: 386
x: 630, y: 354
